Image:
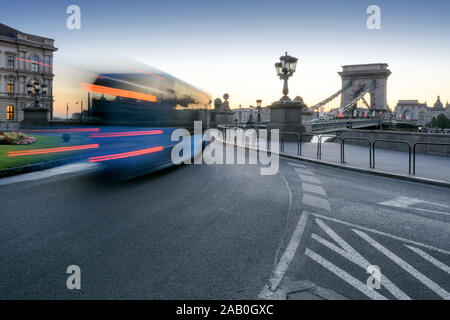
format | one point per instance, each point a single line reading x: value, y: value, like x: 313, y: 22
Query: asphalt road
x: 223, y: 232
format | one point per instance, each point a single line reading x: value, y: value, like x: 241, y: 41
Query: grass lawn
x: 43, y: 142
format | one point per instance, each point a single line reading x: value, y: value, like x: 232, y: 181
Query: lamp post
x: 250, y: 120
x: 81, y: 110
x: 258, y: 107
x: 36, y: 89
x: 240, y: 115
x: 285, y: 69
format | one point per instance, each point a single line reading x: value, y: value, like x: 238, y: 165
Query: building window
x: 10, y: 112
x: 35, y: 64
x: 11, y: 61
x: 10, y: 86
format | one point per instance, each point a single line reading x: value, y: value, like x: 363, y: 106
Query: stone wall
x: 409, y: 137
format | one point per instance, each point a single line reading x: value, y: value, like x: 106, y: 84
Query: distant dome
x: 438, y: 104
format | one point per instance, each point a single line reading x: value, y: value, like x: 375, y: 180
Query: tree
x: 441, y: 121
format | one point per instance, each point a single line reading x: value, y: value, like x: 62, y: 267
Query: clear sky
x: 231, y: 46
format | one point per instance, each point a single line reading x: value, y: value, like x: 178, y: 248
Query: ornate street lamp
x: 285, y: 69
x: 36, y: 89
x: 258, y: 106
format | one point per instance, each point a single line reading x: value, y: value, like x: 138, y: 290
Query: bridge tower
x: 359, y: 76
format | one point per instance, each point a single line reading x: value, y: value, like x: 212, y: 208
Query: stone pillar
x: 289, y: 116
x: 361, y: 75
x: 35, y: 116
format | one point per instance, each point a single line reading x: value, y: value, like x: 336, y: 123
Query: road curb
x: 36, y: 167
x: 434, y: 182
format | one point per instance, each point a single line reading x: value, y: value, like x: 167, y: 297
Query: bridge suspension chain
x: 331, y: 98
x: 369, y: 87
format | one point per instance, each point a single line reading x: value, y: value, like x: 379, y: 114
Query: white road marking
x: 313, y: 189
x: 401, y: 202
x: 405, y: 202
x: 407, y: 267
x: 31, y: 176
x: 344, y: 276
x: 310, y: 179
x: 316, y: 202
x: 288, y: 254
x: 304, y: 171
x: 354, y: 256
x: 431, y: 259
x: 296, y: 164
x: 383, y: 234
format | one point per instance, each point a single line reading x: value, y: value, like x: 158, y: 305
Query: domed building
x: 438, y: 106
x: 413, y: 110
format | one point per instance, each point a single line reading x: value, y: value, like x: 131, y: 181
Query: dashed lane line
x: 304, y: 171
x: 296, y: 165
x: 313, y: 189
x: 407, y: 267
x: 310, y: 179
x: 316, y: 202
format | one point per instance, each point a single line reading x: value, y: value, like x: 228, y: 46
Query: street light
x: 35, y: 89
x: 285, y: 69
x: 258, y: 107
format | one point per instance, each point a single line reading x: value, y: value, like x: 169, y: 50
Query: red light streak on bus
x: 118, y: 92
x: 126, y: 154
x: 51, y: 150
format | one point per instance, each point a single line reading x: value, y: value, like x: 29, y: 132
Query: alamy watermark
x: 374, y: 20
x: 374, y: 281
x: 74, y: 280
x: 74, y: 19
x: 221, y: 150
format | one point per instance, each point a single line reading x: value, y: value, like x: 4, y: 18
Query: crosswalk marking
x: 431, y: 259
x: 310, y: 179
x: 316, y: 202
x: 344, y: 276
x: 313, y: 189
x: 354, y: 256
x: 407, y: 267
x: 304, y: 171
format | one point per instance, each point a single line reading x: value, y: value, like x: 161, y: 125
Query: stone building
x: 24, y: 59
x: 413, y: 110
x: 246, y: 115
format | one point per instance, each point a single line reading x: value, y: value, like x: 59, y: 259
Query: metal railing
x: 424, y: 143
x: 299, y: 139
x: 319, y: 143
x: 354, y: 138
x: 391, y: 141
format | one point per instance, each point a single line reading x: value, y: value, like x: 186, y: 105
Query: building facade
x: 25, y: 59
x: 413, y: 110
x: 247, y: 115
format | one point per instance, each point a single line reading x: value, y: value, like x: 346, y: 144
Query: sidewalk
x: 427, y: 166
